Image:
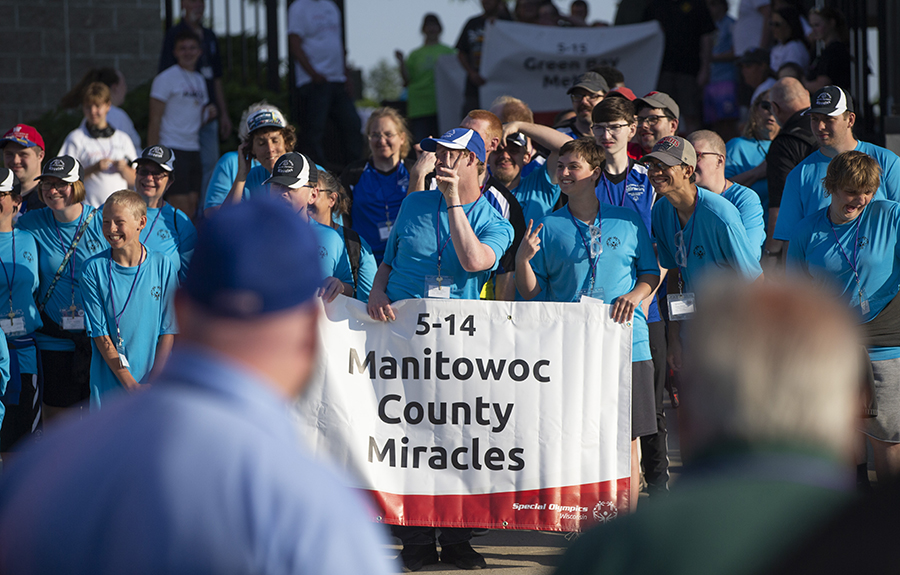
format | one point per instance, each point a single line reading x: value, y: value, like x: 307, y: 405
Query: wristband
x: 455, y: 206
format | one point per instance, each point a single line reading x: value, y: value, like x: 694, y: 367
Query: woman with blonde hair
x: 378, y: 185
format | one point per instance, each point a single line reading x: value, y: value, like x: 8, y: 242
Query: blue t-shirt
x: 747, y: 203
x: 871, y: 242
x: 332, y: 253
x: 742, y: 154
x: 804, y: 194
x: 636, y: 194
x: 536, y: 194
x: 222, y: 179
x: 563, y: 264
x: 412, y: 248
x: 714, y: 237
x: 253, y: 185
x: 365, y: 275
x: 53, y: 239
x: 171, y: 233
x: 4, y: 374
x: 21, y: 271
x: 145, y: 312
x: 376, y: 201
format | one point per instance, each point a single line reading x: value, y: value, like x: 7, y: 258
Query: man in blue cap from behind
x: 203, y: 472
x: 444, y: 244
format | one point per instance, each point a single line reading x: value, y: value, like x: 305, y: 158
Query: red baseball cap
x: 622, y: 92
x: 23, y: 135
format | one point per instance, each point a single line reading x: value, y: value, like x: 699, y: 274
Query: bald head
x: 713, y: 141
x: 789, y: 97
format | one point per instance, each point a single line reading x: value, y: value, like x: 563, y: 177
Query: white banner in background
x: 540, y: 63
x: 477, y: 414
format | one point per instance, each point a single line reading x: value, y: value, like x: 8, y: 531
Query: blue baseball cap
x: 457, y: 139
x: 254, y: 258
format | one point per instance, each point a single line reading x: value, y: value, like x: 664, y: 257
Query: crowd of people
x: 743, y: 161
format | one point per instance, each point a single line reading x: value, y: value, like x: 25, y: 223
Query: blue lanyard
x: 66, y: 249
x: 386, y: 193
x: 687, y: 248
x: 854, y: 265
x: 12, y: 282
x: 112, y: 299
x: 150, y: 231
x: 587, y: 247
x: 449, y: 236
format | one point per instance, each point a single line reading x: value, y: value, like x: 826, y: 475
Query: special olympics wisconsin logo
x: 605, y: 511
x: 57, y: 165
x: 286, y: 167
x: 155, y: 152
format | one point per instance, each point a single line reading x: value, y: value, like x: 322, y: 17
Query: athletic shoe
x: 463, y: 556
x: 414, y: 557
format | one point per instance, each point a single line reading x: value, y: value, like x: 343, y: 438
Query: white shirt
x: 318, y: 24
x: 749, y: 26
x: 87, y: 150
x: 185, y: 96
x: 794, y: 51
x: 118, y: 119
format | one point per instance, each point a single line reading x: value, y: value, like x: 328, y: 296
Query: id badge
x: 435, y: 289
x: 681, y: 306
x: 596, y: 293
x: 13, y: 324
x: 384, y: 230
x: 72, y: 320
x: 863, y: 302
x: 120, y: 349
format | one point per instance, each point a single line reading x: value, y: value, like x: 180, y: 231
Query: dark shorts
x: 23, y: 419
x: 643, y: 401
x: 60, y: 387
x: 188, y: 174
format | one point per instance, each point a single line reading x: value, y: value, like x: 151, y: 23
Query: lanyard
x: 65, y: 249
x: 150, y: 231
x: 11, y: 282
x: 592, y: 260
x: 386, y: 193
x: 854, y: 265
x: 686, y: 248
x: 112, y: 299
x: 449, y: 236
x: 609, y: 197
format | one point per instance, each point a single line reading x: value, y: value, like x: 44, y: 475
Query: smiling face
x: 653, y: 124
x: 847, y: 204
x: 575, y: 175
x: 766, y: 122
x: 151, y: 181
x: 832, y: 131
x: 187, y: 52
x: 386, y: 139
x: 710, y: 164
x: 9, y: 206
x: 56, y: 193
x: 667, y: 179
x: 24, y: 162
x: 121, y: 226
x: 267, y: 145
x: 507, y: 162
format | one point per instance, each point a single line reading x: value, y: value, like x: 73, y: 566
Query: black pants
x: 413, y: 535
x: 23, y: 419
x: 654, y: 453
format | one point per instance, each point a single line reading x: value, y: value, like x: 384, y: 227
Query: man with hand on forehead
x: 23, y: 152
x: 585, y: 94
x: 696, y: 231
x: 294, y: 180
x: 452, y: 259
x: 831, y: 119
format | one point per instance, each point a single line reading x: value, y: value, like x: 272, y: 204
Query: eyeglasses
x: 145, y: 173
x: 577, y: 97
x: 59, y: 186
x: 650, y: 120
x: 4, y: 194
x: 655, y: 166
x: 613, y: 129
x: 701, y: 154
x: 596, y: 246
x: 375, y: 136
x: 680, y: 249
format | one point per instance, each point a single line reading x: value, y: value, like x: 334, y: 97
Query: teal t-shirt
x: 53, y: 240
x: 20, y: 267
x: 536, y: 194
x: 171, y: 233
x: 141, y: 298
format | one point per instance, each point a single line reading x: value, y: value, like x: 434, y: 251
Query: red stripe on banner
x: 569, y: 508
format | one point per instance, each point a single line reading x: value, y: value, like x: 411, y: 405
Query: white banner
x: 477, y: 414
x: 540, y: 63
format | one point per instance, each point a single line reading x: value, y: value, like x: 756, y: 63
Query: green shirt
x: 420, y: 68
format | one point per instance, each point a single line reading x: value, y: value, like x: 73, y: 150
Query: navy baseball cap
x: 294, y: 171
x: 158, y: 154
x: 254, y: 258
x: 831, y: 101
x: 66, y: 168
x: 457, y: 139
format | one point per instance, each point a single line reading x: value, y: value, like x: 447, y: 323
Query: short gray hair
x: 774, y: 362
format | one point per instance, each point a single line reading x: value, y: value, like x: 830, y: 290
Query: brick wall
x: 36, y: 68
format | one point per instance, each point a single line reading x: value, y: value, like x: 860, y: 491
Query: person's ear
x: 313, y: 195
